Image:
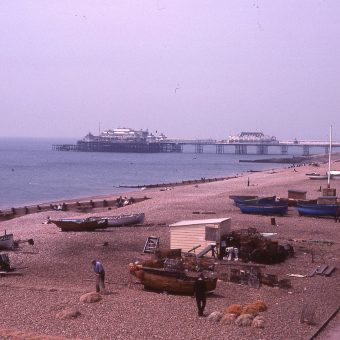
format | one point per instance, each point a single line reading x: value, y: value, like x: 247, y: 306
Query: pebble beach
x: 56, y: 270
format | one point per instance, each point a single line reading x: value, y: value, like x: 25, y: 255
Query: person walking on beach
x: 199, y: 292
x: 100, y: 275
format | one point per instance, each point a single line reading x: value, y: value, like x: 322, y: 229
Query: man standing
x: 199, y: 291
x: 100, y: 276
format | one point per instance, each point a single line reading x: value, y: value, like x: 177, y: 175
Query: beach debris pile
x: 241, y: 315
x: 253, y: 246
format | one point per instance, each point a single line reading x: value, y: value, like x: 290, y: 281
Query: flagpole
x: 329, y: 158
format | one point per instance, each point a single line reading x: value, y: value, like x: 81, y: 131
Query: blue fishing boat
x: 276, y: 208
x: 241, y: 198
x: 261, y: 200
x: 310, y: 209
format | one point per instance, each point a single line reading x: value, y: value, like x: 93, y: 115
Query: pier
x: 305, y: 148
x: 246, y: 143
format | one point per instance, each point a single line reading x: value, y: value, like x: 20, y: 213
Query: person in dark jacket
x: 100, y: 275
x: 199, y: 292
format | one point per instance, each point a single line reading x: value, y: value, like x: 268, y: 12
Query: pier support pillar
x: 219, y: 148
x: 240, y: 149
x: 171, y: 147
x: 198, y: 148
x: 305, y: 151
x: 284, y: 149
x: 262, y: 149
x: 327, y: 149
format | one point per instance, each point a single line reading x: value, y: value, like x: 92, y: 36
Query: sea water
x: 31, y: 172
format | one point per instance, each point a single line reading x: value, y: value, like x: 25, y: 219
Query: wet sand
x: 56, y: 270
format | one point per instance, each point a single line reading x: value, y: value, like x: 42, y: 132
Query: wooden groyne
x: 79, y: 206
x: 292, y: 160
x: 172, y: 184
x: 89, y: 205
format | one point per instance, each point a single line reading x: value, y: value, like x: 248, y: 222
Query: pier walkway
x: 303, y: 147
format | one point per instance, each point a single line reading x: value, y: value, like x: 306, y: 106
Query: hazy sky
x: 187, y: 68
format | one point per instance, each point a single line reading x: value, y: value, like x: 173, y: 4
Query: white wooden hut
x: 188, y: 234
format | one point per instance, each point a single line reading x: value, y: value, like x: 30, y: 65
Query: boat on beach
x: 124, y: 220
x: 241, y: 198
x: 293, y: 202
x: 332, y: 174
x: 316, y: 176
x: 261, y: 200
x: 6, y: 241
x: 316, y: 209
x: 250, y: 200
x: 175, y: 282
x: 277, y: 208
x: 80, y: 224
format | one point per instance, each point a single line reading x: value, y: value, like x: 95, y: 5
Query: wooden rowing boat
x: 80, y: 224
x: 175, y: 282
x: 124, y: 220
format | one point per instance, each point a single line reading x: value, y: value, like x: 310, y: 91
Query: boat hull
x: 83, y: 224
x: 241, y: 198
x: 264, y: 209
x: 261, y: 201
x: 171, y: 282
x: 318, y: 209
x: 318, y: 177
x: 124, y: 220
x: 6, y: 241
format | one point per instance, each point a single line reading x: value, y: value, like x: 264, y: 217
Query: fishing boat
x: 293, y: 202
x: 277, y: 208
x: 250, y: 200
x: 261, y: 200
x: 124, y: 220
x: 332, y: 174
x: 310, y: 209
x: 80, y: 224
x: 335, y: 174
x: 6, y: 241
x: 175, y: 282
x: 317, y: 176
x: 241, y: 198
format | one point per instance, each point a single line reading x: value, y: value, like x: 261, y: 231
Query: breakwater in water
x: 172, y: 184
x: 290, y: 160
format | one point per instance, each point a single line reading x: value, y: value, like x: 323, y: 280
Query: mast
x: 329, y: 158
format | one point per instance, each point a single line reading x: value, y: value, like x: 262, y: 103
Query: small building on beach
x: 189, y: 234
